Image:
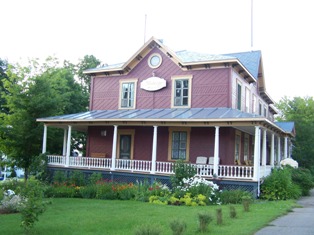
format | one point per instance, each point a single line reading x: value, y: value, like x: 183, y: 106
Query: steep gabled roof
x: 251, y: 60
x: 248, y: 62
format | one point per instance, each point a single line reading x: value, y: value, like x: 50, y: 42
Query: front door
x: 125, y: 146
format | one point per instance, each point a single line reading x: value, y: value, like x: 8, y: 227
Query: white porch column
x: 154, y: 151
x: 279, y: 151
x: 216, y: 151
x: 114, y: 148
x: 257, y: 144
x: 64, y: 151
x: 272, y: 150
x: 264, y: 148
x: 286, y: 148
x: 45, y: 140
x: 67, y: 157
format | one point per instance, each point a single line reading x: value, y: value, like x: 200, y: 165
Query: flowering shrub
x: 195, y: 191
x: 199, y: 186
x: 13, y: 184
x: 11, y: 203
x: 145, y: 190
x: 159, y: 189
x: 29, y: 202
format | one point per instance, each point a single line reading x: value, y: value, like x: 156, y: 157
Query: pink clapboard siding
x: 201, y: 142
x: 210, y: 87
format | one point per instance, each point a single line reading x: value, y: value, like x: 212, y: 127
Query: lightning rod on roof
x: 145, y: 28
x: 251, y: 24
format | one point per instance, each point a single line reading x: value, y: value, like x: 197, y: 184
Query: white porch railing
x: 56, y: 160
x: 133, y: 165
x: 244, y: 172
x: 224, y: 171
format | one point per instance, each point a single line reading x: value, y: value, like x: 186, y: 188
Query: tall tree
x: 301, y: 111
x: 3, y: 77
x: 88, y: 62
x: 37, y: 90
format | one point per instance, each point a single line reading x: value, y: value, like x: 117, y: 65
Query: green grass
x: 84, y: 216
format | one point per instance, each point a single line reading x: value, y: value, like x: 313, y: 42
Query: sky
x: 113, y: 31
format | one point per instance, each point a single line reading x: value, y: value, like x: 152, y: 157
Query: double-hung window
x: 127, y: 94
x: 181, y: 94
x: 239, y: 96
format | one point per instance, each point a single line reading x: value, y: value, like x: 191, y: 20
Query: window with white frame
x: 181, y: 91
x: 247, y: 100
x: 254, y: 104
x: 127, y: 94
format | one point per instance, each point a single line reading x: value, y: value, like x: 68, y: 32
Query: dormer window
x: 128, y: 93
x: 181, y: 91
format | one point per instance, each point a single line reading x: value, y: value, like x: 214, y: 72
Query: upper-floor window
x: 260, y: 109
x: 181, y: 92
x: 239, y: 95
x: 254, y: 104
x: 128, y: 93
x: 247, y: 100
x: 265, y: 111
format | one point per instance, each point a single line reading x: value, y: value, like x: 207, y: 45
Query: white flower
x: 9, y: 193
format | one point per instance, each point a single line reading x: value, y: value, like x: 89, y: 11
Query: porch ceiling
x: 163, y: 117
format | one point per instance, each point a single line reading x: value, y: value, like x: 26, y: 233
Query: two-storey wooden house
x: 160, y: 106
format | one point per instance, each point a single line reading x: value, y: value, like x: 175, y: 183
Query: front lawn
x: 113, y: 217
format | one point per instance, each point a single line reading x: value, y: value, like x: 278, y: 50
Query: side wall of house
x: 247, y: 93
x: 210, y: 87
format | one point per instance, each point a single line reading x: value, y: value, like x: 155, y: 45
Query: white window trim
x: 247, y: 99
x: 181, y: 77
x: 120, y: 91
x: 254, y: 101
x: 150, y: 57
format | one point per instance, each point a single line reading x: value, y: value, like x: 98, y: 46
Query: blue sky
x: 114, y: 30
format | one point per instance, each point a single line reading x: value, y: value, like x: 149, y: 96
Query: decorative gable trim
x: 125, y: 68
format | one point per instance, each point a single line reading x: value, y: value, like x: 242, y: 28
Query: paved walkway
x: 298, y: 222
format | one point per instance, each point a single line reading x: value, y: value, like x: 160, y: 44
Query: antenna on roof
x: 251, y: 24
x: 145, y: 28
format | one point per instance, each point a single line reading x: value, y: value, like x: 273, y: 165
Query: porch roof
x: 151, y: 114
x: 211, y: 116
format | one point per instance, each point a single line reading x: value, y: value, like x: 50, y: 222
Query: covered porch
x: 162, y: 168
x: 267, y: 142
